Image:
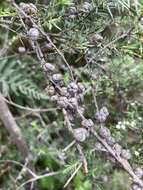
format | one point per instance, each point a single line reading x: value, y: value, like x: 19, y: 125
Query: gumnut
x: 21, y: 49
x: 72, y: 88
x: 73, y: 103
x: 33, y: 8
x: 104, y: 132
x: 102, y: 114
x: 81, y: 134
x: 28, y: 8
x: 50, y: 90
x: 81, y: 88
x: 80, y: 98
x: 72, y: 10
x: 87, y: 123
x: 54, y: 98
x: 86, y: 7
x: 100, y: 147
x: 34, y: 33
x: 139, y: 172
x: 64, y: 92
x: 46, y: 47
x: 136, y: 187
x: 126, y: 154
x: 57, y: 78
x: 63, y: 102
x: 110, y: 140
x: 96, y: 38
x: 118, y: 149
x: 48, y: 67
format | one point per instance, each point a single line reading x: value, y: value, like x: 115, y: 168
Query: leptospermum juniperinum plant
x: 70, y: 98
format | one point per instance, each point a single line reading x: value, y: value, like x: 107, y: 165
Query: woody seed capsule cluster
x: 34, y: 34
x: 71, y: 97
x: 28, y: 8
x: 102, y: 115
x: 139, y: 173
x: 81, y: 134
x: 119, y: 151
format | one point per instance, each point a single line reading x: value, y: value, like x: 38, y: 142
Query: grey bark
x: 12, y: 127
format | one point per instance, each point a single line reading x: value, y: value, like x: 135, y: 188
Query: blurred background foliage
x: 117, y: 67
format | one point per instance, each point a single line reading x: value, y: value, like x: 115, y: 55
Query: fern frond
x: 13, y: 79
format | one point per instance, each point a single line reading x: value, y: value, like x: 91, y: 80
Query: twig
x: 72, y: 176
x: 10, y: 124
x: 79, y: 148
x: 38, y: 177
x: 28, y: 108
x: 45, y: 35
x: 69, y: 146
x: 122, y: 161
x: 19, y: 164
x: 115, y: 40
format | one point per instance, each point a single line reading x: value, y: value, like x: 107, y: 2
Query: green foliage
x: 129, y: 72
x: 65, y: 2
x: 15, y: 80
x: 118, y: 181
x: 7, y: 12
x: 80, y: 183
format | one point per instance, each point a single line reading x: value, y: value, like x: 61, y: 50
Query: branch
x: 11, y: 126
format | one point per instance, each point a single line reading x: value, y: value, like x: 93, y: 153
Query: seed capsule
x: 117, y: 148
x: 33, y: 8
x: 64, y: 92
x: 73, y: 103
x: 105, y: 132
x: 50, y: 90
x: 81, y: 88
x: 73, y: 85
x: 96, y: 39
x: 46, y: 47
x: 102, y: 114
x: 28, y: 8
x: 34, y: 33
x: 100, y: 147
x: 126, y: 154
x: 110, y: 140
x: 80, y: 98
x: 63, y: 102
x: 72, y: 10
x: 139, y: 172
x: 54, y: 98
x: 57, y: 78
x: 81, y: 134
x: 48, y: 67
x: 21, y: 50
x: 86, y: 7
x: 87, y: 123
x: 72, y: 88
x: 136, y: 187
x: 24, y: 7
x: 81, y: 110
